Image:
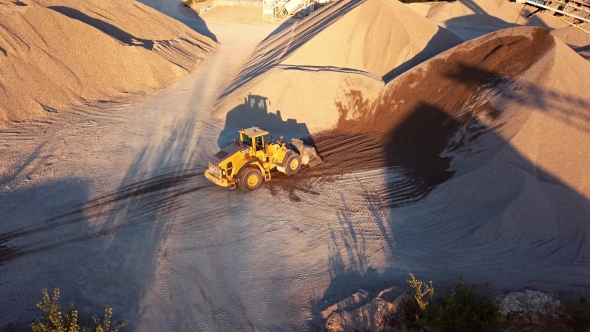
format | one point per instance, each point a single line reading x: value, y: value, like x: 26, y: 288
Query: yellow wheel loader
x: 248, y: 162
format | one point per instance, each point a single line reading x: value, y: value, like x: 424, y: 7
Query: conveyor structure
x: 573, y: 12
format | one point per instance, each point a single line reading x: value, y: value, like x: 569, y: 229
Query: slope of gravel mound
x: 54, y: 54
x: 306, y: 68
x: 520, y: 89
x: 379, y: 37
x: 573, y: 36
x: 493, y: 140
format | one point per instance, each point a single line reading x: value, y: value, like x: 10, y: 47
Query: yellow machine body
x: 248, y: 162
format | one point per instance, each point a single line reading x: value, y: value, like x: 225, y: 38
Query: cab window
x: 247, y: 140
x: 259, y: 143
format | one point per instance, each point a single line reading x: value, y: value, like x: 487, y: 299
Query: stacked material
x: 494, y: 136
x: 353, y: 44
x: 574, y: 37
x: 510, y: 83
x: 54, y: 54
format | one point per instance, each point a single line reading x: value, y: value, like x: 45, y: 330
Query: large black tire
x: 293, y: 164
x: 250, y: 179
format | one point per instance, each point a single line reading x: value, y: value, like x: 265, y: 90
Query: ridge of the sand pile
x: 511, y: 90
x: 55, y: 54
x: 305, y: 70
x: 415, y: 108
x: 515, y: 211
x: 573, y: 36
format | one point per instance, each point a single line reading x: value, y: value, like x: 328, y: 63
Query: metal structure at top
x: 271, y: 9
x: 573, y: 12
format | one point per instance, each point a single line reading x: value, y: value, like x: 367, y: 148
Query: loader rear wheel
x: 293, y: 164
x: 250, y: 179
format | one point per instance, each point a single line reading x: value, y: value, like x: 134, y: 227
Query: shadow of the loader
x: 255, y: 112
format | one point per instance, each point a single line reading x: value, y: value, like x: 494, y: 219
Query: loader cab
x: 257, y: 141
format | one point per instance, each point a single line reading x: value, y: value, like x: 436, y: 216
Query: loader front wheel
x: 293, y: 164
x: 250, y: 179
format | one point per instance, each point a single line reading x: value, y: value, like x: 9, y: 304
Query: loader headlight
x: 223, y: 172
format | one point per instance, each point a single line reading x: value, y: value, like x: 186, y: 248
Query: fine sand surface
x: 54, y: 54
x: 306, y: 69
x: 473, y: 162
x: 574, y: 37
x: 243, y: 14
x: 89, y: 195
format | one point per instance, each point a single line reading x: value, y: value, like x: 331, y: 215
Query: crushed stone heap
x: 55, y: 54
x: 304, y: 69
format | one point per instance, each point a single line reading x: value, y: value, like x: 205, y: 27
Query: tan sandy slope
x: 57, y: 53
x: 375, y: 37
x: 494, y: 135
x: 573, y: 36
x: 523, y: 85
x: 307, y: 68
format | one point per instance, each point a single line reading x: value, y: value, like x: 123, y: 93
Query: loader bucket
x: 309, y: 156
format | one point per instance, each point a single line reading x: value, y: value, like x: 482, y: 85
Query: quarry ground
x: 109, y: 204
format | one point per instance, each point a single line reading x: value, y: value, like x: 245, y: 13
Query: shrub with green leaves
x: 464, y: 311
x: 53, y: 320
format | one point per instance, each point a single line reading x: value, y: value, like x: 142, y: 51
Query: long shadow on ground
x: 183, y: 14
x: 255, y: 111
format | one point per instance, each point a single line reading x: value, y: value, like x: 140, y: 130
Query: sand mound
x: 573, y: 36
x: 57, y: 53
x: 376, y: 37
x: 308, y: 67
x: 515, y: 91
x: 421, y: 8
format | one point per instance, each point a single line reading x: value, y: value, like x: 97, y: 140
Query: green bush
x: 464, y: 311
x: 52, y: 319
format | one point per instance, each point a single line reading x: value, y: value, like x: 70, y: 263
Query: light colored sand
x: 112, y: 252
x: 376, y: 37
x: 305, y: 69
x: 421, y: 8
x: 515, y: 210
x: 498, y: 13
x: 108, y: 201
x: 520, y: 188
x: 573, y: 36
x: 55, y: 54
